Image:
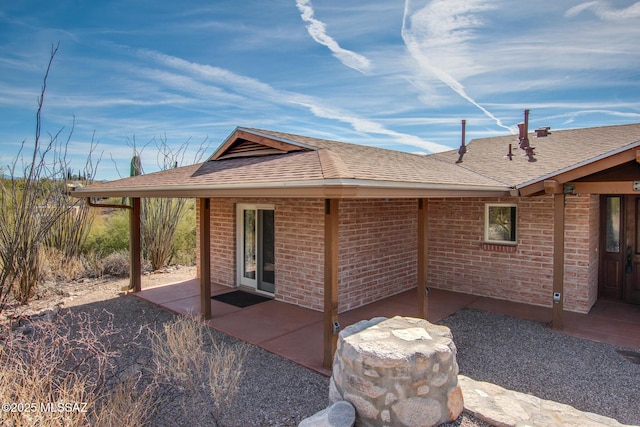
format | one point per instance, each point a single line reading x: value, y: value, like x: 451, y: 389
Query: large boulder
x: 397, y: 372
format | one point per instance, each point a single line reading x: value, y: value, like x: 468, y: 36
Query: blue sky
x: 388, y: 73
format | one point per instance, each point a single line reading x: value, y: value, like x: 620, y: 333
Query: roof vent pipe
x: 509, y: 153
x: 463, y: 148
x: 543, y: 131
x: 524, y: 131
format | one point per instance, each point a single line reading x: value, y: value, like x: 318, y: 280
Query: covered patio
x: 346, y: 225
x: 296, y: 333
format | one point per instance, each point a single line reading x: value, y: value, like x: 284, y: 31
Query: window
x: 500, y: 223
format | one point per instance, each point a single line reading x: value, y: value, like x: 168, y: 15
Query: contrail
x: 414, y: 49
x: 318, y: 31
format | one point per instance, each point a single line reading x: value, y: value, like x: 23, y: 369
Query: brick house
x: 333, y: 226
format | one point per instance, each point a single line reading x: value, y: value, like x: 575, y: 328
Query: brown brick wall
x: 581, y: 252
x: 378, y: 250
x: 459, y: 261
x: 300, y: 252
x: 299, y: 247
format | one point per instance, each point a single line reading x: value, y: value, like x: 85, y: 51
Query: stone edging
x: 505, y: 408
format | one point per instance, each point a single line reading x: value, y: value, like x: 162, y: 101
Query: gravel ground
x: 514, y: 353
x: 529, y: 357
x: 273, y: 391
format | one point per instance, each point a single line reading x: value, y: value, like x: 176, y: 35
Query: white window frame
x: 487, y: 226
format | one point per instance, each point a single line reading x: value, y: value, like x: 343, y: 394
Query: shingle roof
x: 378, y: 164
x: 322, y: 163
x: 555, y: 153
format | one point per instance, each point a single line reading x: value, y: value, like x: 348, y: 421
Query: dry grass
x: 125, y: 406
x: 56, y: 266
x: 49, y: 365
x: 187, y: 357
x: 63, y: 367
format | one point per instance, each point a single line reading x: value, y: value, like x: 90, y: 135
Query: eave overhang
x: 328, y: 188
x: 582, y: 169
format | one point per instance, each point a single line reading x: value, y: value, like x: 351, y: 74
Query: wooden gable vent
x: 246, y: 144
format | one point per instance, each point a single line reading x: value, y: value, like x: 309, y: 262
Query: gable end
x: 243, y: 143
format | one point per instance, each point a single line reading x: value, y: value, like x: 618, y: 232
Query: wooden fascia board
x: 581, y: 171
x: 604, y: 187
x: 324, y: 191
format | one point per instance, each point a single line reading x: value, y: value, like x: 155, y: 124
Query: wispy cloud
x: 605, y: 12
x: 255, y: 89
x: 438, y: 25
x: 318, y: 31
x: 571, y: 116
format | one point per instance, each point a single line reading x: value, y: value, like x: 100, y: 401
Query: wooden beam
x: 204, y: 268
x: 637, y: 156
x: 558, y: 261
x: 423, y: 258
x: 606, y: 187
x: 330, y: 280
x: 135, y: 267
x: 552, y: 187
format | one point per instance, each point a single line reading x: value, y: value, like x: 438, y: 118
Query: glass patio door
x: 256, y: 247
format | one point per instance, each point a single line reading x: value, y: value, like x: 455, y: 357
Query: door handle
x: 629, y: 268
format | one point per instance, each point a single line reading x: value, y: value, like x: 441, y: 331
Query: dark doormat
x: 240, y: 298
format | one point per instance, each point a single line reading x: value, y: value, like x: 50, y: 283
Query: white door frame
x: 240, y: 228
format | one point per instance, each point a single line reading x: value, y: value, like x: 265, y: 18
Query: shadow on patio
x: 296, y: 333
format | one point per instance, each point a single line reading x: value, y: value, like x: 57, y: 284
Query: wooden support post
x: 423, y: 258
x: 135, y: 267
x: 330, y: 280
x: 204, y: 268
x: 558, y: 260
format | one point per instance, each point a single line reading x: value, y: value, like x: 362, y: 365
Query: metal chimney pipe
x: 524, y: 131
x: 463, y: 148
x: 464, y: 129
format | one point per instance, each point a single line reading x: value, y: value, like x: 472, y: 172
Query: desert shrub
x: 184, y: 242
x: 63, y: 359
x: 69, y: 233
x: 67, y: 359
x: 56, y: 266
x: 159, y: 218
x: 125, y: 405
x: 109, y: 233
x: 93, y: 265
x: 116, y: 264
x: 203, y: 372
x: 33, y: 201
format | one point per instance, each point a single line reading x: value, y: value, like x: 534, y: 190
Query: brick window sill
x: 494, y: 247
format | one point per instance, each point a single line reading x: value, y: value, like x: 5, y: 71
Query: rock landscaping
x: 397, y: 372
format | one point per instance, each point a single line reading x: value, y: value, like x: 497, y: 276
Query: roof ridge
x: 460, y: 165
x: 332, y: 165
